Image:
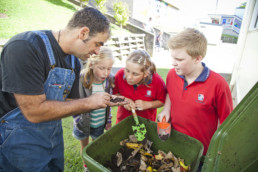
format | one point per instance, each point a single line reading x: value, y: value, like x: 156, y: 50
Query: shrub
x: 121, y: 13
x: 100, y: 4
x: 83, y: 2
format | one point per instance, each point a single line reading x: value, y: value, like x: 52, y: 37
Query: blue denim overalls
x: 26, y: 146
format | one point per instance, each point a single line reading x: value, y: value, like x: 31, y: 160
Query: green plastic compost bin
x: 98, y: 152
x: 234, y: 146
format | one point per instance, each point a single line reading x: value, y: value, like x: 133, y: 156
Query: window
x: 254, y: 20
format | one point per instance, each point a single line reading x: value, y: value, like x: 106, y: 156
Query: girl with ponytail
x: 141, y: 86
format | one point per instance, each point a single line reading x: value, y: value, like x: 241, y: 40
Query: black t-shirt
x: 25, y: 66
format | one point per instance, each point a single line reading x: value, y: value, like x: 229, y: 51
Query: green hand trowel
x: 139, y: 130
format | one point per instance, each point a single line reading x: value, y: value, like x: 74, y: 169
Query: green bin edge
x: 100, y: 150
x: 234, y: 146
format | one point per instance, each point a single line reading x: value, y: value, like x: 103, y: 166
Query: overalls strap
x: 48, y: 47
x: 50, y: 51
x: 73, y: 65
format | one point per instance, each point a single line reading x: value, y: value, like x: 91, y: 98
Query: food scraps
x: 117, y: 99
x: 138, y: 157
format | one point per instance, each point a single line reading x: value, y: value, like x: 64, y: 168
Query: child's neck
x: 190, y: 78
x: 98, y: 82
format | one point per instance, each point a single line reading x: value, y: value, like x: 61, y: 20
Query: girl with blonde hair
x: 95, y: 78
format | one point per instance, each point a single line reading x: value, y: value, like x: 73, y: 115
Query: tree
x: 82, y: 2
x: 100, y: 4
x: 121, y: 13
x: 242, y: 5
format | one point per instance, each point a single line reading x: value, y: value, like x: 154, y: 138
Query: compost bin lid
x: 234, y: 146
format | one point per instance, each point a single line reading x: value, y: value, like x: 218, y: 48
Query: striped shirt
x: 97, y: 117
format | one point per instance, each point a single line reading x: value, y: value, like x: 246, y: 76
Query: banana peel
x: 182, y: 164
x: 132, y: 145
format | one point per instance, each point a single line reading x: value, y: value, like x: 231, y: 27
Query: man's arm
x: 37, y: 109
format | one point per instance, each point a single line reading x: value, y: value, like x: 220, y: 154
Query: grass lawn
x: 22, y: 15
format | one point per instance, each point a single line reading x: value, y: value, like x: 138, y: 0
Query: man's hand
x: 117, y: 100
x: 99, y: 100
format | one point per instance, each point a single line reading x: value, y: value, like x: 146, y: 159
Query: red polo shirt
x: 197, y: 108
x: 156, y: 90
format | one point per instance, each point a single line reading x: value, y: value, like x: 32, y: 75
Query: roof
x: 224, y: 15
x: 172, y: 3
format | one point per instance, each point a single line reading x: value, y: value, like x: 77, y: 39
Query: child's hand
x: 130, y: 104
x: 161, y: 115
x: 142, y: 105
x: 108, y: 126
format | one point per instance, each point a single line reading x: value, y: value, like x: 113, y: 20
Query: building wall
x: 212, y: 32
x: 227, y: 20
x: 244, y: 75
x: 248, y: 69
x: 239, y: 12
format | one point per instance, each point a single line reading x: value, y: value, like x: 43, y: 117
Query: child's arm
x: 143, y: 105
x: 224, y: 104
x: 166, y: 110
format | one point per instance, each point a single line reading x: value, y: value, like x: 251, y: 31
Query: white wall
x: 240, y: 12
x: 245, y: 73
x: 248, y: 69
x: 212, y: 32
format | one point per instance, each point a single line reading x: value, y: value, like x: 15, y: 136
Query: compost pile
x: 138, y: 157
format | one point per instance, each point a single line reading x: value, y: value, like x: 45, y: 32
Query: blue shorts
x: 94, y: 133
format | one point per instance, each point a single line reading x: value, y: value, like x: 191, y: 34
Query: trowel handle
x: 135, y: 117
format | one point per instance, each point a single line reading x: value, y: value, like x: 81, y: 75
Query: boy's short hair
x: 192, y: 40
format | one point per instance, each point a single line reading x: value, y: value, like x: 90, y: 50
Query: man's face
x: 90, y: 46
x: 182, y: 62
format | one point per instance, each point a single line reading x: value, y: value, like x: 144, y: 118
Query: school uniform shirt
x: 156, y: 90
x: 196, y: 108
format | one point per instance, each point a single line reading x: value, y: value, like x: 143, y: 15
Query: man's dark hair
x: 91, y: 18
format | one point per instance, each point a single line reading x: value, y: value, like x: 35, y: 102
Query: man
x: 149, y: 26
x: 38, y: 73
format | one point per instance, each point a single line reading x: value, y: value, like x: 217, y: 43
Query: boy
x: 197, y: 97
